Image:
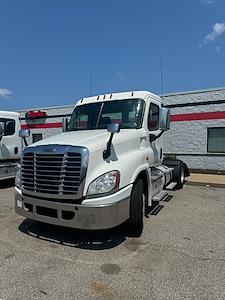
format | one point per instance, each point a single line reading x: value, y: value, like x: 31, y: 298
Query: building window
x: 36, y: 137
x: 153, y: 117
x: 216, y: 140
x: 8, y: 126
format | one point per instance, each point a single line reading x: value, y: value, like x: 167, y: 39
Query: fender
x: 145, y: 174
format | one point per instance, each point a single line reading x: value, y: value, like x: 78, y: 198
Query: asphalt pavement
x: 180, y: 254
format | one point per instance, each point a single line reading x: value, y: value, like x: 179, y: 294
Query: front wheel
x: 135, y: 222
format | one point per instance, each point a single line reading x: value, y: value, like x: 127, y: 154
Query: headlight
x: 18, y: 177
x: 105, y: 183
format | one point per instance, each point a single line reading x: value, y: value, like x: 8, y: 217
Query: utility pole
x: 161, y: 67
x: 91, y: 84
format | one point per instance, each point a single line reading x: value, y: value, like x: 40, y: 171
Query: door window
x: 8, y: 126
x: 153, y: 117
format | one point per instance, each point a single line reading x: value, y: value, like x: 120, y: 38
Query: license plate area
x: 46, y: 211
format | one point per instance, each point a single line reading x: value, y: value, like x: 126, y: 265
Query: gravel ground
x: 179, y: 256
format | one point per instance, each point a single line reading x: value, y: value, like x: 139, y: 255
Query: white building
x: 44, y: 122
x: 197, y: 134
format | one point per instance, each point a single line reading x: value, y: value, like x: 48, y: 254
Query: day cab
x: 104, y: 169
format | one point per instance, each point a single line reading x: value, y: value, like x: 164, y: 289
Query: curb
x: 208, y: 184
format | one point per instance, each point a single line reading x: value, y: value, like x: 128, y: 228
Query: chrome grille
x: 51, y: 173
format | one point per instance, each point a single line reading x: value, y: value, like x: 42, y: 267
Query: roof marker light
x: 132, y: 94
x: 98, y: 97
x: 110, y: 96
x: 104, y: 97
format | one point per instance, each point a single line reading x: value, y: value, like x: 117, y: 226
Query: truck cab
x: 10, y: 144
x: 104, y: 169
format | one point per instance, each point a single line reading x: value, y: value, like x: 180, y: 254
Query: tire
x: 181, y: 176
x: 135, y: 222
x: 180, y: 171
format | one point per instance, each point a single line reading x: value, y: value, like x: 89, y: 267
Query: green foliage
x: 170, y: 157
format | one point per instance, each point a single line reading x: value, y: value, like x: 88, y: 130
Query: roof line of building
x: 48, y: 107
x: 193, y: 92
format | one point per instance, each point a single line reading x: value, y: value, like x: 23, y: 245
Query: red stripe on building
x: 216, y: 115
x: 38, y: 126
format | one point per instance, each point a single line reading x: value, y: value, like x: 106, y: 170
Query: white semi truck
x: 10, y: 144
x: 104, y: 169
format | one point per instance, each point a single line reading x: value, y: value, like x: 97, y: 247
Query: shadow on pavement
x: 158, y: 206
x: 84, y: 239
x: 7, y: 183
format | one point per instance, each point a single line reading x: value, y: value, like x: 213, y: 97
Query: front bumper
x: 83, y: 216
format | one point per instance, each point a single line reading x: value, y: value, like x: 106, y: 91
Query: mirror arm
x: 158, y: 136
x: 25, y: 142
x: 153, y: 137
x: 107, y: 152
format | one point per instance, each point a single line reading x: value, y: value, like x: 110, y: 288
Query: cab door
x: 10, y: 143
x: 155, y: 144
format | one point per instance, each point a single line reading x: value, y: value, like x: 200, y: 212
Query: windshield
x: 128, y: 113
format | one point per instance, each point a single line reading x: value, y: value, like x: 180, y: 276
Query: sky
x: 53, y: 52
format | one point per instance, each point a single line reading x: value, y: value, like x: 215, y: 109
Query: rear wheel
x: 135, y: 222
x: 181, y: 176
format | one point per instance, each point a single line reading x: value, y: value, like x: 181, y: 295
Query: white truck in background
x: 10, y: 144
x: 89, y: 178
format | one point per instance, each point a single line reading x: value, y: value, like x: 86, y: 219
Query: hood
x: 92, y: 139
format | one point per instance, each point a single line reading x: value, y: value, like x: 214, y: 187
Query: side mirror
x: 64, y: 124
x: 113, y: 128
x: 164, y: 118
x: 23, y: 133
